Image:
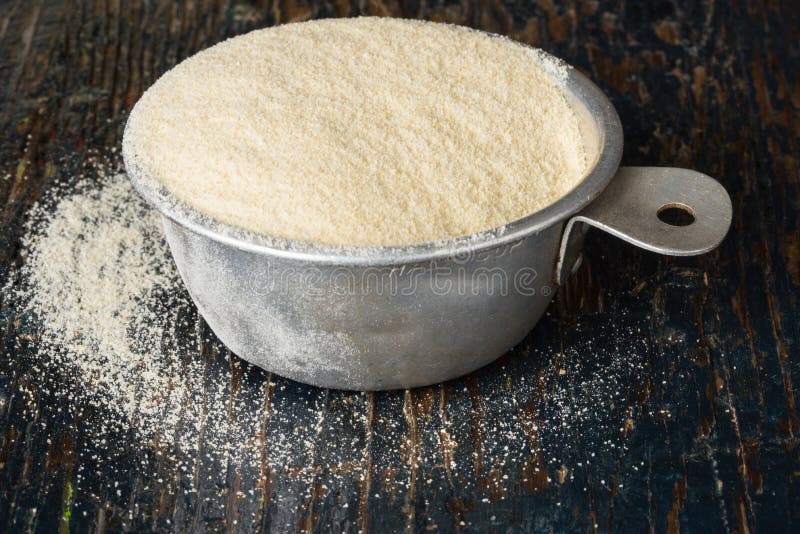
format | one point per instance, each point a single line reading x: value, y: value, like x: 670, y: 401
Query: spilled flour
x: 98, y: 278
x: 112, y: 337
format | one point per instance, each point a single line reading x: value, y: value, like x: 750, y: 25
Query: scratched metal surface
x: 699, y: 432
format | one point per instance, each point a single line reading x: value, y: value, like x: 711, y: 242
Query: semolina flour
x: 360, y: 132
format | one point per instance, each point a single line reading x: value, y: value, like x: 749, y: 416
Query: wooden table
x: 658, y: 394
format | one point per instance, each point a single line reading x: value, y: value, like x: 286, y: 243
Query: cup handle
x: 677, y: 212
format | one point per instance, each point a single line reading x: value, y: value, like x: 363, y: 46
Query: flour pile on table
x: 99, y: 282
x: 101, y: 290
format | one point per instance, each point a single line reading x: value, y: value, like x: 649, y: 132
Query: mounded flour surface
x: 360, y: 132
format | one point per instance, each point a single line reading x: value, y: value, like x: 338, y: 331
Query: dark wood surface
x: 699, y: 428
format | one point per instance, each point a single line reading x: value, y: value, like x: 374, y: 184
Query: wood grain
x: 699, y: 429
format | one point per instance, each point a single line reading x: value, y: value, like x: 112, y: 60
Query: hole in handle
x: 676, y: 214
